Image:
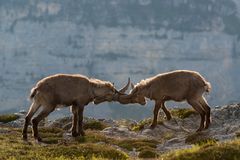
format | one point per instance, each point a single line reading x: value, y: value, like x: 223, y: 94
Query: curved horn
x: 123, y: 98
x: 124, y: 89
x: 132, y: 85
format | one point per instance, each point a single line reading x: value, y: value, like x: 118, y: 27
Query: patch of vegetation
x: 54, y: 130
x: 200, y: 138
x: 87, y: 150
x: 218, y: 151
x: 141, y: 145
x: 141, y: 124
x: 51, y: 140
x: 168, y: 135
x: 5, y: 118
x: 56, y: 148
x: 94, y: 137
x: 148, y: 153
x: 94, y: 125
x: 182, y: 112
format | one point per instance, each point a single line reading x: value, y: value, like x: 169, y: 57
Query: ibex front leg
x: 74, y: 110
x: 80, y: 120
x: 155, y: 114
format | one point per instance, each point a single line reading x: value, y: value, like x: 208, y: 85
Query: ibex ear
x: 113, y: 83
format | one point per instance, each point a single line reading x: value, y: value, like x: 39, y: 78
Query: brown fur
x: 66, y: 90
x: 178, y: 86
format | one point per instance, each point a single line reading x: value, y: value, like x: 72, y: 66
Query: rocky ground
x: 178, y: 133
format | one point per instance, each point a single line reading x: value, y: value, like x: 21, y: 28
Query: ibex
x: 177, y: 85
x: 67, y: 90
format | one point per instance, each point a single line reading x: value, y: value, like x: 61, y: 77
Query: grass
x: 97, y: 146
x: 143, y: 124
x: 182, y: 112
x: 218, y: 151
x: 5, y: 118
x: 94, y: 125
x: 148, y: 153
x: 56, y: 147
x: 93, y: 145
x: 199, y: 138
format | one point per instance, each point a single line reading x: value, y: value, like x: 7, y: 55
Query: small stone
x: 147, y: 131
x: 224, y: 137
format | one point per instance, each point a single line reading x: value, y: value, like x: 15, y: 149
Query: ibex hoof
x: 199, y: 130
x: 82, y: 133
x: 169, y: 118
x: 38, y: 140
x: 24, y: 137
x: 206, y: 127
x: 75, y: 134
x: 152, y: 126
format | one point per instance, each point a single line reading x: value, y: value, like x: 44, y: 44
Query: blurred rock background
x: 115, y: 39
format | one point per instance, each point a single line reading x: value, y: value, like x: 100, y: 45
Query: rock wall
x: 115, y: 39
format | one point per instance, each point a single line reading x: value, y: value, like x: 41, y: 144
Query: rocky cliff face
x: 115, y: 39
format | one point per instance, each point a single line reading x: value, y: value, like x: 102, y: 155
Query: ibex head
x: 107, y: 92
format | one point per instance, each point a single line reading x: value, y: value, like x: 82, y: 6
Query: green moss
x: 14, y: 148
x: 168, y: 135
x: 94, y: 125
x: 218, y: 151
x: 85, y: 150
x: 54, y: 130
x: 93, y: 137
x: 182, y: 112
x: 51, y: 140
x: 143, y: 123
x: 5, y: 118
x: 148, y: 153
x: 199, y: 138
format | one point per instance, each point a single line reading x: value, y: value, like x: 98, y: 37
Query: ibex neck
x: 91, y: 89
x: 146, y: 91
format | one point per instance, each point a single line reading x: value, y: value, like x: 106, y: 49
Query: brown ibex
x: 177, y: 85
x: 67, y: 90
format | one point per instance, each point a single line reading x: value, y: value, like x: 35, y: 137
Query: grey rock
x: 119, y: 132
x: 224, y: 137
x: 4, y: 131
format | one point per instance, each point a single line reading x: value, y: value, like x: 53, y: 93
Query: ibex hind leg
x: 35, y: 121
x: 197, y: 106
x: 166, y: 111
x: 207, y: 110
x: 32, y: 110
